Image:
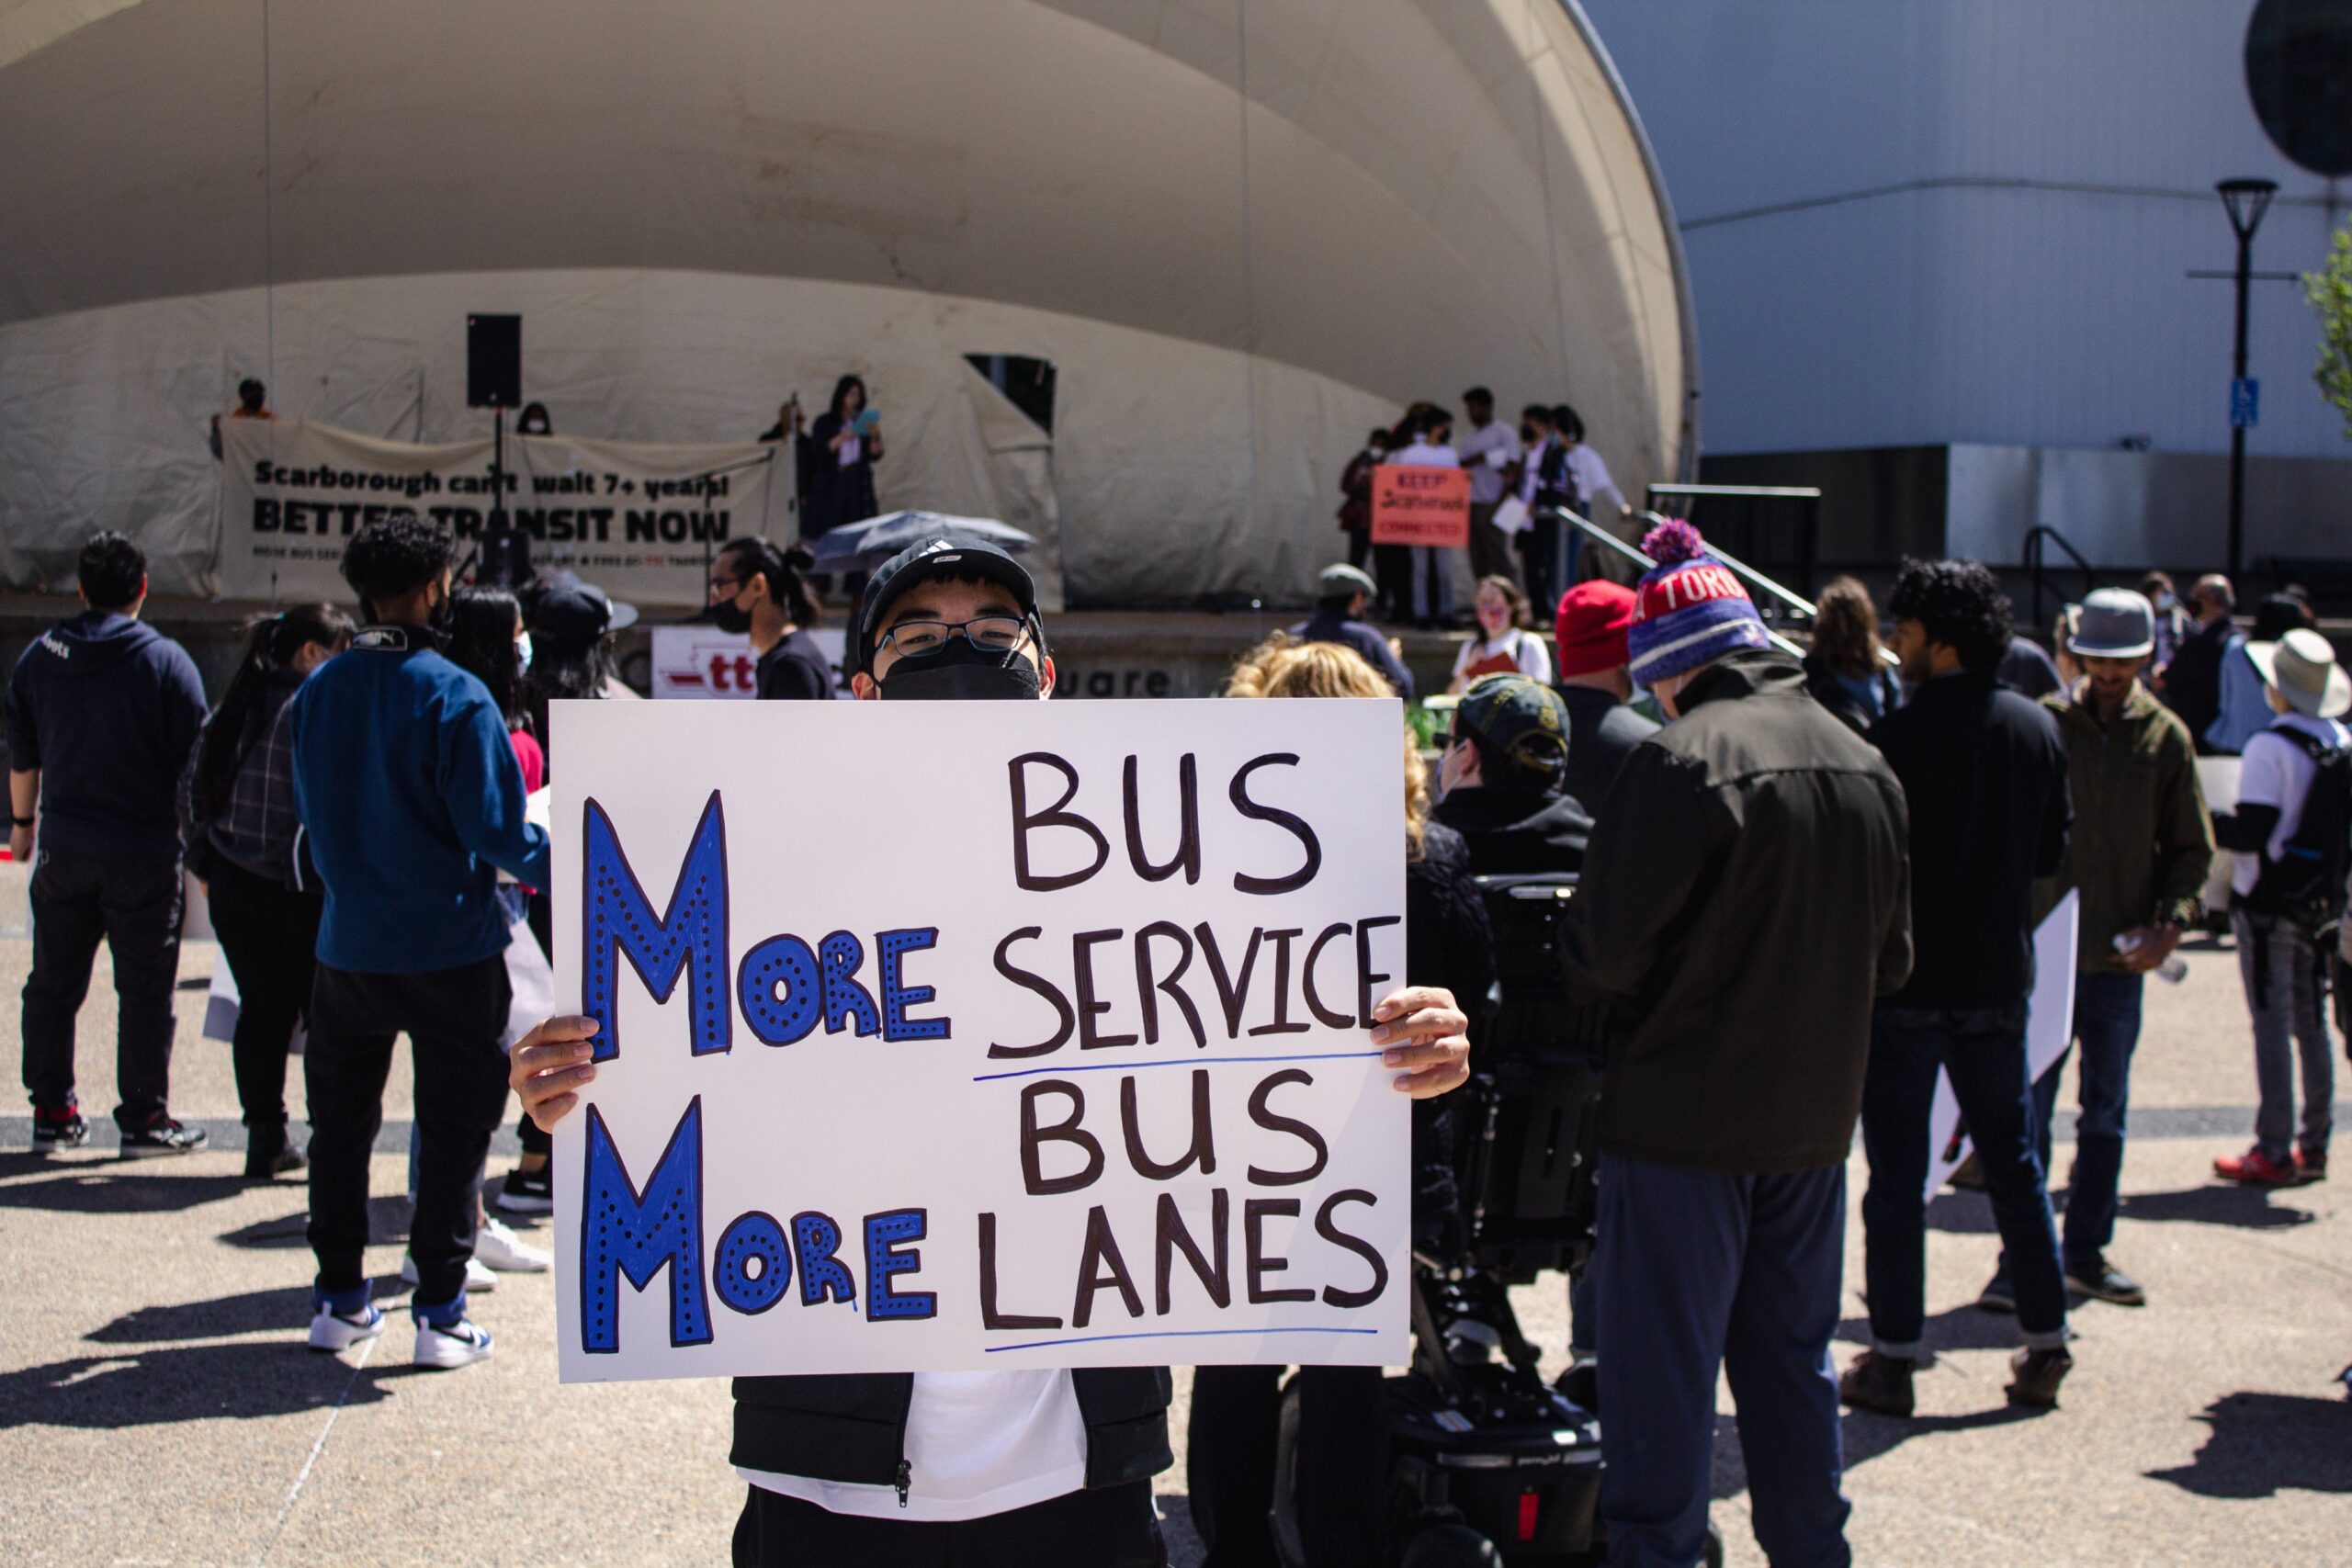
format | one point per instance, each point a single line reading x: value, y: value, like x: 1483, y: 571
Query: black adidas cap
x: 942, y: 557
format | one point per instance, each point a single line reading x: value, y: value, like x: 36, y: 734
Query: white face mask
x: 523, y: 653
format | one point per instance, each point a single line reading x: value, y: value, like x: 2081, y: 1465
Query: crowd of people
x: 1807, y: 887
x: 1521, y: 479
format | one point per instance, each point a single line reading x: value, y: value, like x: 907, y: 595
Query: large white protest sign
x: 640, y: 520
x: 957, y: 1035
x: 2049, y: 1030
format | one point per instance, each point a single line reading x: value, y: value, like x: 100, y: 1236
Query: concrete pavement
x: 156, y: 1405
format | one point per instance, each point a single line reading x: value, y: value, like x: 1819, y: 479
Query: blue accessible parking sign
x: 2245, y: 403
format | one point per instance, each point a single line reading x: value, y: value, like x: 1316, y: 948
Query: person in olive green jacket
x: 2142, y: 845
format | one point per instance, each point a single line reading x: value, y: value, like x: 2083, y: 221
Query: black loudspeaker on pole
x: 494, y: 381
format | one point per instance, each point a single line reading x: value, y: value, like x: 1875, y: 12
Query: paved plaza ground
x: 157, y: 1407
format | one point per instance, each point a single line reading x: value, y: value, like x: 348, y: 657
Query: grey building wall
x: 1916, y: 222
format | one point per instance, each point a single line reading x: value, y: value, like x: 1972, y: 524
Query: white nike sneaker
x: 461, y: 1344
x: 478, y: 1277
x: 497, y: 1247
x: 330, y: 1330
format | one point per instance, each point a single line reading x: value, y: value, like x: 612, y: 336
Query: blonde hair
x: 1282, y: 666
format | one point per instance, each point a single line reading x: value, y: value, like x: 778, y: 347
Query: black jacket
x: 853, y: 1427
x: 1744, y: 901
x: 108, y: 708
x: 1365, y: 637
x: 2193, y: 679
x: 1515, y: 833
x: 1602, y: 732
x: 1984, y: 776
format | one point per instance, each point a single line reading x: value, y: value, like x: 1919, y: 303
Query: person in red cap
x: 1590, y: 633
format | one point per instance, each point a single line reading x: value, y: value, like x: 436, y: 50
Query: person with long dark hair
x: 759, y: 589
x: 844, y: 443
x: 241, y: 831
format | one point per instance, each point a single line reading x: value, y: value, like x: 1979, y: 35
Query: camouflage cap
x: 1519, y: 724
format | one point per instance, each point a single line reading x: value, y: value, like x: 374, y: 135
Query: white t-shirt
x: 977, y: 1443
x: 1485, y: 452
x: 1592, y: 475
x: 1523, y: 649
x: 2276, y: 772
x: 851, y: 451
x: 1422, y: 454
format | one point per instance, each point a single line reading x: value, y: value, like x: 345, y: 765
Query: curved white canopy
x: 1241, y: 230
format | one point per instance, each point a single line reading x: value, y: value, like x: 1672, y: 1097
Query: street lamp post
x: 2245, y: 201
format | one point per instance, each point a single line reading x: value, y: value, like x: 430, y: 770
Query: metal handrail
x: 2033, y: 550
x: 1739, y: 568
x: 1594, y: 531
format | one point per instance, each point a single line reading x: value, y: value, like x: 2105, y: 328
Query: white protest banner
x: 703, y: 662
x: 945, y: 1036
x: 2049, y: 1030
x: 637, y: 519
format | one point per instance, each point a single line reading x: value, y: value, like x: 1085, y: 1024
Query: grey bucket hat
x: 2116, y: 623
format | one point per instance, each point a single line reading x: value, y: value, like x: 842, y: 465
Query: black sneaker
x: 162, y: 1136
x: 52, y: 1131
x: 527, y: 1191
x: 2096, y: 1278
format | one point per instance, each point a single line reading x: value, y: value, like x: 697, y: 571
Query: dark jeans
x: 1112, y: 1526
x: 1343, y: 1463
x: 1392, y: 567
x: 133, y: 906
x: 270, y: 934
x: 453, y: 1019
x: 1984, y: 1051
x: 2107, y: 1027
x: 1547, y: 569
x: 1702, y: 1271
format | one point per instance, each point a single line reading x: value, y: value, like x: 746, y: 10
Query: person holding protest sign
x: 1231, y: 1441
x: 759, y: 589
x: 1432, y: 565
x: 1984, y: 776
x: 412, y: 936
x: 1744, y: 900
x: 103, y: 711
x: 2139, y: 854
x: 975, y: 1468
x: 241, y: 834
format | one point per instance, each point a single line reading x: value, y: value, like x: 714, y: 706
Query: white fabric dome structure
x: 1241, y: 232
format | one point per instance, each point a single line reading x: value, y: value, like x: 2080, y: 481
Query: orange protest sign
x: 1420, y: 506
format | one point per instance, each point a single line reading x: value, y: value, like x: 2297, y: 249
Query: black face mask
x: 961, y: 672
x: 730, y: 618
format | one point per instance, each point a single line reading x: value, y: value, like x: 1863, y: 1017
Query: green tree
x: 2330, y: 292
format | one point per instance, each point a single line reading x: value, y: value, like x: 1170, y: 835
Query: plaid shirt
x: 257, y: 829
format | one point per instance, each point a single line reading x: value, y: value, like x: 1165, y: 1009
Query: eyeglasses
x: 992, y: 634
x: 730, y: 586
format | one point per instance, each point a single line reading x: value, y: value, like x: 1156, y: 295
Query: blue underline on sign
x: 1177, y: 1062
x: 1164, y: 1333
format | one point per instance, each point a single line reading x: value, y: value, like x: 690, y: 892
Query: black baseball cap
x: 577, y: 613
x: 942, y: 557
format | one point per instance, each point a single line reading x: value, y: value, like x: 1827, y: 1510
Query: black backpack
x: 2306, y: 882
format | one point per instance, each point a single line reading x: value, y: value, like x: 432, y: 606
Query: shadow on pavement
x: 1862, y: 1436
x: 116, y: 1187
x: 2262, y: 1444
x: 387, y: 1222
x: 2249, y: 1207
x: 254, y: 1311
x: 189, y: 1383
x: 1964, y: 1328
